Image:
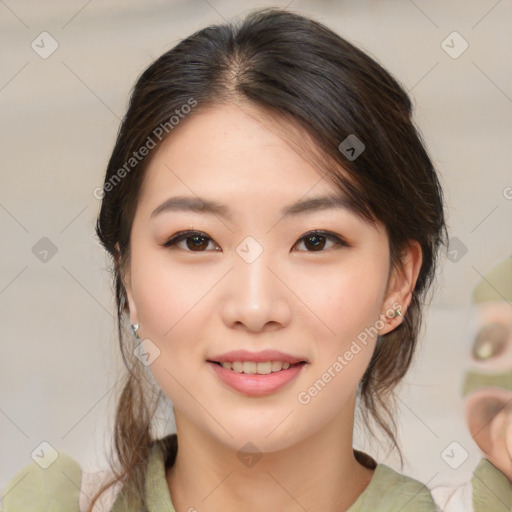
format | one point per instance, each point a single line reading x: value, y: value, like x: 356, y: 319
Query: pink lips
x: 264, y: 355
x: 254, y: 384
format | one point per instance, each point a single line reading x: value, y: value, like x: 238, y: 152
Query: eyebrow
x: 206, y: 206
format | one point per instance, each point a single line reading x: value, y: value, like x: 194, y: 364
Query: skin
x: 488, y: 410
x: 196, y: 304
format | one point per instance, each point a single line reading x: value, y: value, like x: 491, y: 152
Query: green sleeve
x: 492, y: 490
x: 34, y: 489
x: 390, y: 491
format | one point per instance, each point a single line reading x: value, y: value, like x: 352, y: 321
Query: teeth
x: 250, y: 367
x: 238, y: 366
x: 276, y: 366
x: 261, y: 368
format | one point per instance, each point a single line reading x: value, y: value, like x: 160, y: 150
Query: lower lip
x: 254, y: 384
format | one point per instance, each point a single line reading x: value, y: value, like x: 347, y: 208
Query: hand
x: 489, y: 418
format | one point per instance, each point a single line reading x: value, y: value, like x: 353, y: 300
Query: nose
x: 256, y: 297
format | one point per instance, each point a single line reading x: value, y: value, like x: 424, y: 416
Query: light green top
x: 57, y: 488
x: 492, y: 490
x: 388, y: 491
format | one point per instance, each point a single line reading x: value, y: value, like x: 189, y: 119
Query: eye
x: 317, y: 240
x: 194, y: 241
x: 197, y: 241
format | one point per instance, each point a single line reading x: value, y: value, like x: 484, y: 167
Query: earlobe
x: 401, y: 286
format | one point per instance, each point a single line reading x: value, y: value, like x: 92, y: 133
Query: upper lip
x: 264, y: 355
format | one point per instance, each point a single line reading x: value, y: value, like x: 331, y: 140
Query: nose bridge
x: 256, y: 296
x: 256, y: 281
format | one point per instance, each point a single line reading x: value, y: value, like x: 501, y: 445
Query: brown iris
x: 197, y: 243
x: 315, y: 242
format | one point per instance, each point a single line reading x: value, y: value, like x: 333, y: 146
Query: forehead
x: 229, y: 149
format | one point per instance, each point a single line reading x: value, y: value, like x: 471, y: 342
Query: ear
x: 127, y: 283
x: 401, y: 284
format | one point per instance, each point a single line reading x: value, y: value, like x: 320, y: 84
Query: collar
x: 387, y: 491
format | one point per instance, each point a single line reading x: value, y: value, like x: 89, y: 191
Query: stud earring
x: 398, y: 313
x: 135, y: 328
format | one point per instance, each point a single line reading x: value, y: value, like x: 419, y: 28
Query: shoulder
x: 489, y: 489
x: 389, y: 491
x: 43, y: 486
x: 492, y: 490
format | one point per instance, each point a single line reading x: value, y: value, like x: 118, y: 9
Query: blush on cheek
x: 158, y: 310
x: 356, y: 311
x: 166, y: 293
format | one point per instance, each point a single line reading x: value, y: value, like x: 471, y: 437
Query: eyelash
x: 184, y: 235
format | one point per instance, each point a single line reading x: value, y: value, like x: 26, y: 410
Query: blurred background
x: 65, y: 76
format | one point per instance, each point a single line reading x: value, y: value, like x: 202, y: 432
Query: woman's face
x: 252, y: 276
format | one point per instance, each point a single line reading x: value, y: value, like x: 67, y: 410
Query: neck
x: 318, y: 473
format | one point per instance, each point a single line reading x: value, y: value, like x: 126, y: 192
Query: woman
x: 274, y: 222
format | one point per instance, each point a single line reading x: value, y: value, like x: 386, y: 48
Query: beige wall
x: 59, y: 117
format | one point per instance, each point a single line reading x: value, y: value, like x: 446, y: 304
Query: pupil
x: 318, y: 242
x: 194, y: 242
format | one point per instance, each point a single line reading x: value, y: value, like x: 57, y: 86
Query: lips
x: 231, y: 368
x: 255, y: 384
x: 257, y: 357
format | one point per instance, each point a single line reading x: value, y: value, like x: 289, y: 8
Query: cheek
x: 173, y: 303
x: 158, y: 308
x: 347, y: 300
x: 168, y: 302
x: 166, y: 294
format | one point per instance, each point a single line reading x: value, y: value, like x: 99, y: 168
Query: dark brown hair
x: 301, y: 72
